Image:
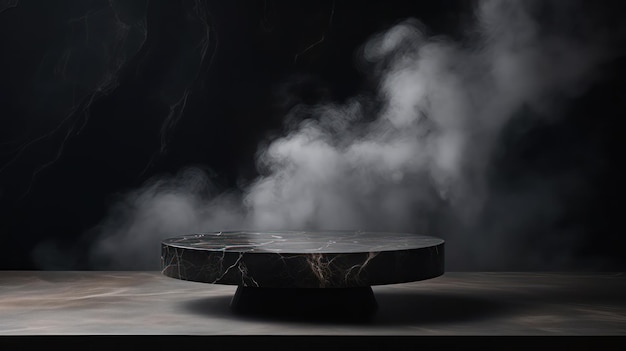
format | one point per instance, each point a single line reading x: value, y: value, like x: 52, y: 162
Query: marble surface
x: 147, y: 303
x: 290, y: 259
x: 300, y: 242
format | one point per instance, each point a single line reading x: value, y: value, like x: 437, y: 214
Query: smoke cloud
x: 419, y: 161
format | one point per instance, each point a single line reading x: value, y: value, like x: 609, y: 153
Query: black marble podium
x: 303, y: 272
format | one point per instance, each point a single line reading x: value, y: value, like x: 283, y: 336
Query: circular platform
x: 287, y: 261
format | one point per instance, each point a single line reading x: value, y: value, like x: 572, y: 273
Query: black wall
x: 212, y: 80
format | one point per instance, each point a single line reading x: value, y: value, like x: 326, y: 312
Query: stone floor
x: 457, y: 303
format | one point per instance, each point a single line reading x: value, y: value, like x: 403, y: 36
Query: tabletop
x: 456, y: 303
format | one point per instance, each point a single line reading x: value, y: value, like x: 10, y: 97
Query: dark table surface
x: 457, y: 303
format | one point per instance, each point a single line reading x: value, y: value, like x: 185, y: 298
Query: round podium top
x: 321, y: 259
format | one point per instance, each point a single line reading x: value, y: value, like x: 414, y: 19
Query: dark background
x: 96, y: 97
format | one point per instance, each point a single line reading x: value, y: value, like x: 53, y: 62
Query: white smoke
x: 420, y: 165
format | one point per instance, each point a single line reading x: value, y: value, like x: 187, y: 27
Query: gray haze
x: 420, y: 165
